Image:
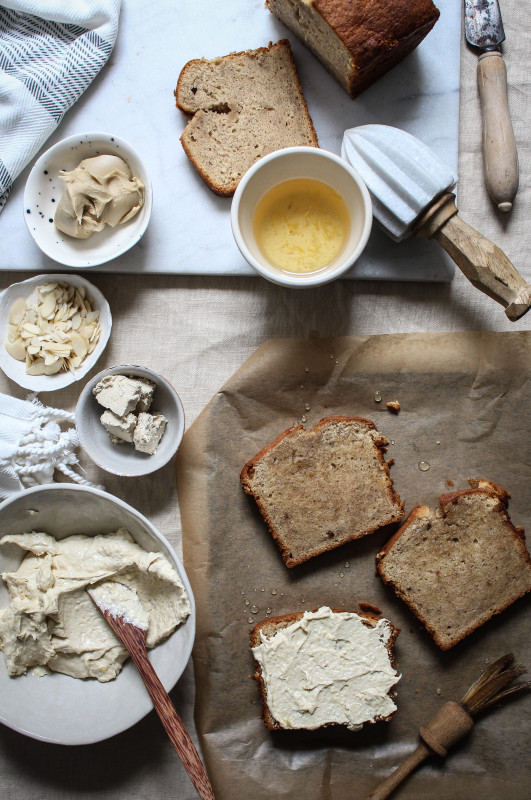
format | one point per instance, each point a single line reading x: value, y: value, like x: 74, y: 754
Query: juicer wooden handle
x: 483, y: 263
x: 500, y: 157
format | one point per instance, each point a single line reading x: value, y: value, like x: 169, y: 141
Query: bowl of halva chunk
x: 130, y: 420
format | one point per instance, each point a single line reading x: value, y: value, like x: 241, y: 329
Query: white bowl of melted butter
x: 301, y: 216
x: 110, y: 218
x: 56, y: 707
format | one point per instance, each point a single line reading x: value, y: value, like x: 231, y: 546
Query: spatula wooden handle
x: 500, y: 157
x: 483, y: 263
x: 173, y: 725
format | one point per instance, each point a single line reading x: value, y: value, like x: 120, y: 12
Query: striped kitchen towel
x: 50, y: 52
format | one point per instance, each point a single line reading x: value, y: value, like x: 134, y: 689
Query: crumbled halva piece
x: 120, y: 429
x: 148, y: 432
x: 118, y: 393
x: 146, y: 395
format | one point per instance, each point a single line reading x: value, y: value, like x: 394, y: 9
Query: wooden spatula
x: 134, y: 640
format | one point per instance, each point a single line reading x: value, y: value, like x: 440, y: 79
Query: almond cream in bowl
x: 88, y: 199
x: 54, y: 706
x: 301, y: 216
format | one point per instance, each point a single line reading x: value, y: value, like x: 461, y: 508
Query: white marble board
x: 190, y: 232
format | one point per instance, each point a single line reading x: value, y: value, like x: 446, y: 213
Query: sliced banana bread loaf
x: 244, y: 106
x: 458, y: 566
x: 320, y: 488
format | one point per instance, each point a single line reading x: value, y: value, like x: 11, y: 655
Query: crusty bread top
x: 358, y: 42
x: 458, y: 566
x: 269, y: 627
x: 320, y: 488
x: 245, y: 105
x: 367, y: 27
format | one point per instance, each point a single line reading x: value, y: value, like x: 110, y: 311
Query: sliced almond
x: 16, y: 349
x: 47, y: 308
x: 52, y: 369
x: 17, y: 311
x: 30, y: 328
x: 79, y: 344
x: 36, y: 368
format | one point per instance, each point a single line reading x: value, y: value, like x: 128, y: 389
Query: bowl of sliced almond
x: 53, y: 329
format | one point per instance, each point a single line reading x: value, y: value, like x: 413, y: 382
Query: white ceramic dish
x: 44, y: 189
x: 16, y: 370
x: 285, y: 165
x: 57, y: 708
x: 123, y: 459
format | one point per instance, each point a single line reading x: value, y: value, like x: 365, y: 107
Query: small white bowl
x: 123, y: 459
x: 289, y: 164
x: 57, y: 708
x: 16, y: 370
x: 44, y: 189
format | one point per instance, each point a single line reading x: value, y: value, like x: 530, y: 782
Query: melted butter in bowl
x: 301, y: 225
x: 301, y: 216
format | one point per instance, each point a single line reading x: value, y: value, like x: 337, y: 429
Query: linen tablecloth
x: 197, y: 332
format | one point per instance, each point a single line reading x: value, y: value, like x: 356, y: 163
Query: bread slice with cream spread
x: 321, y: 488
x: 325, y: 667
x: 458, y: 566
x: 244, y: 106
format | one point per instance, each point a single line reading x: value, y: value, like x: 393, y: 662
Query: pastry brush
x: 454, y: 720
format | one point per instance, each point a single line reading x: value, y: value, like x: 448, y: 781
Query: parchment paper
x: 465, y: 410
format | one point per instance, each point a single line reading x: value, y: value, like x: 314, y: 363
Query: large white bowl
x: 289, y: 164
x: 57, y: 708
x: 44, y: 189
x: 16, y: 370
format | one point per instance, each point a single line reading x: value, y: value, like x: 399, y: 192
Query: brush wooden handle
x: 500, y: 157
x: 172, y: 722
x: 386, y: 787
x: 483, y: 263
x: 449, y: 725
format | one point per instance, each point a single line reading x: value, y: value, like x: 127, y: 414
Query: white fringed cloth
x: 35, y: 441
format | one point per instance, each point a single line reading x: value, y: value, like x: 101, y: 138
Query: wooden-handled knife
x: 484, y: 29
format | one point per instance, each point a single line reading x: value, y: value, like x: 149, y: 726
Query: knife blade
x: 484, y: 30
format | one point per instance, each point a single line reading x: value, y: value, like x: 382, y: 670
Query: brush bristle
x: 493, y: 685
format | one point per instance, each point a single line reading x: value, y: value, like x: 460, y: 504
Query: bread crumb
x: 393, y: 406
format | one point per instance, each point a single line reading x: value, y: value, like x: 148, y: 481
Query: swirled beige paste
x: 328, y: 667
x: 99, y: 191
x: 52, y: 624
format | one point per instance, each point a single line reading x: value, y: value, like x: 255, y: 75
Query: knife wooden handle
x: 484, y: 264
x: 500, y: 157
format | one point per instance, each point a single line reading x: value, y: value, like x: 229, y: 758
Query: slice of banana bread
x: 360, y: 41
x: 325, y: 667
x: 244, y: 106
x: 458, y: 566
x: 321, y: 488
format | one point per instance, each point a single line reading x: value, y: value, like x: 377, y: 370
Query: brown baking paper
x: 464, y: 410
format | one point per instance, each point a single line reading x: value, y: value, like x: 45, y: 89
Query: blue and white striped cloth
x: 50, y: 52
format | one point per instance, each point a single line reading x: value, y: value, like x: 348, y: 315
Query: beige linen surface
x: 197, y: 332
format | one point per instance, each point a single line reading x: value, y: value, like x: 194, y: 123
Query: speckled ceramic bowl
x: 44, y: 189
